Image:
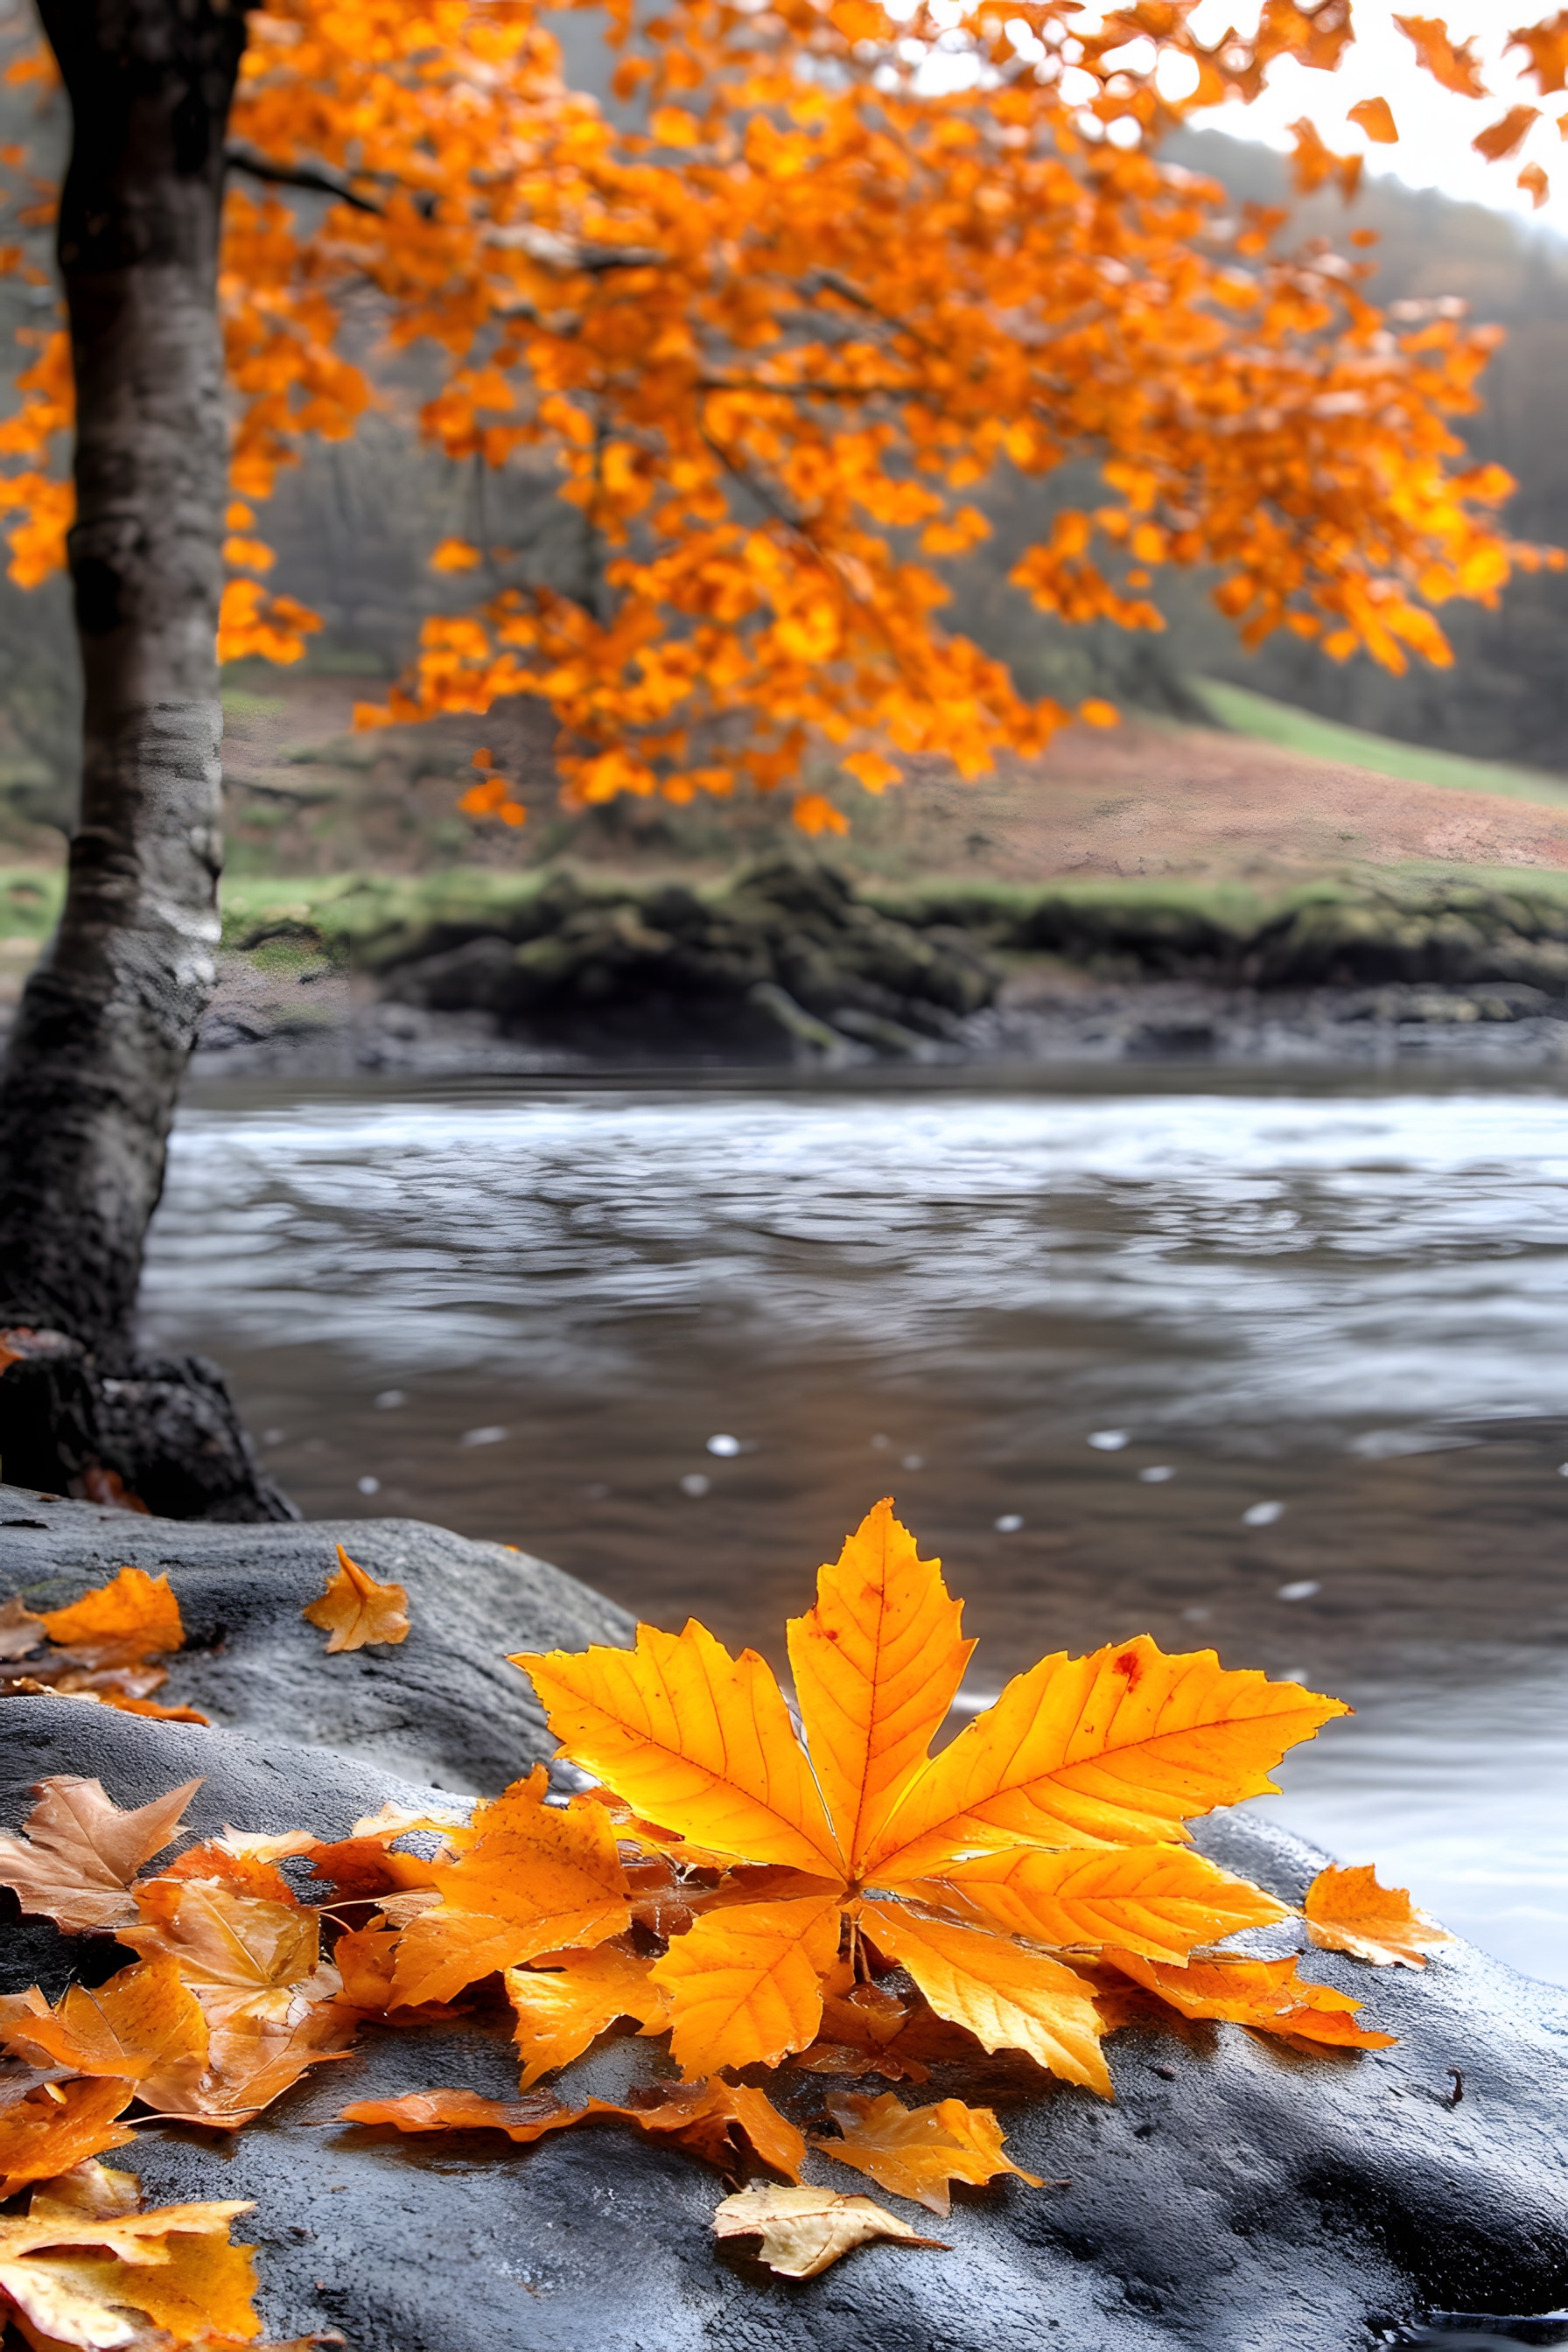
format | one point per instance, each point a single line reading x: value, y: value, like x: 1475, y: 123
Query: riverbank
x: 790, y: 962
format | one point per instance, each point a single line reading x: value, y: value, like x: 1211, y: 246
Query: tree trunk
x: 107, y: 1023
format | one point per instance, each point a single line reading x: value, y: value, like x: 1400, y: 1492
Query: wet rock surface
x: 1237, y: 2196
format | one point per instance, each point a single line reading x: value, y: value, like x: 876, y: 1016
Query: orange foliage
x: 772, y: 341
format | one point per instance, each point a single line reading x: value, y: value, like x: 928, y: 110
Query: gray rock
x: 443, y: 1706
x: 1238, y: 2196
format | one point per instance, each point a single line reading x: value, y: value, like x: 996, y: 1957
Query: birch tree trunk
x: 107, y: 1023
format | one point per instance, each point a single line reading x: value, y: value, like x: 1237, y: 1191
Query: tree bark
x: 107, y: 1023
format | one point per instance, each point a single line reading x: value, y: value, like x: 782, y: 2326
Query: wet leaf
x: 78, y: 1853
x: 76, y: 2274
x: 46, y: 2128
x: 561, y: 2012
x: 744, y: 1987
x: 1348, y: 1911
x: 355, y: 1610
x: 1009, y: 1999
x: 1267, y: 1995
x: 533, y: 1878
x: 1163, y: 1903
x: 139, y: 2022
x: 123, y: 1623
x: 271, y: 2007
x: 805, y: 2230
x: 920, y: 2152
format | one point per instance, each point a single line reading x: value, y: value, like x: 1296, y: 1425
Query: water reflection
x: 1329, y: 1329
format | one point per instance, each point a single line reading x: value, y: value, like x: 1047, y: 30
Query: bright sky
x: 1435, y: 128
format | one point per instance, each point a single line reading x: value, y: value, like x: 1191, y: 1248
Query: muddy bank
x: 788, y: 963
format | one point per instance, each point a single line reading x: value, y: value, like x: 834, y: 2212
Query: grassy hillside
x: 1316, y: 737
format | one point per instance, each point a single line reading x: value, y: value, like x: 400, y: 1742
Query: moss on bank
x: 548, y: 935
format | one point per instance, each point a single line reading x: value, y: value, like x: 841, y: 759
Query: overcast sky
x: 1435, y: 128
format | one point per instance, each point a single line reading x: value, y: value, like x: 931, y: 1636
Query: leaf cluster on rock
x: 780, y: 1916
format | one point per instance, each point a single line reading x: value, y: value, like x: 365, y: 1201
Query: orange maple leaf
x: 920, y: 2152
x: 533, y: 1878
x: 562, y: 2010
x: 1267, y: 1995
x: 355, y: 1610
x: 1051, y: 1818
x: 721, y: 2122
x: 141, y: 2022
x: 1348, y: 1911
x: 123, y: 1623
x: 48, y: 2127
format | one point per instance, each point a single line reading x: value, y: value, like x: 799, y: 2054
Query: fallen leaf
x: 20, y: 1631
x: 1009, y: 1999
x: 425, y: 2111
x: 159, y: 1714
x: 123, y: 1623
x: 919, y: 2152
x: 1348, y: 1911
x: 140, y: 2021
x: 562, y: 2012
x: 78, y: 1853
x: 721, y: 2122
x: 1163, y: 1903
x: 745, y: 1986
x: 534, y: 1878
x: 1267, y: 1995
x: 52, y: 2126
x: 805, y: 2230
x: 272, y: 2009
x: 245, y: 1872
x: 366, y: 1958
x: 861, y: 2033
x: 77, y: 2276
x: 355, y: 1610
x: 949, y: 1861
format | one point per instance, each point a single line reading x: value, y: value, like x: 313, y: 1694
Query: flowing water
x: 1270, y: 1368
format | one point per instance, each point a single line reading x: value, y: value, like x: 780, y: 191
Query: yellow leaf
x: 877, y: 1664
x: 561, y: 2012
x: 805, y: 2230
x: 1161, y: 1901
x: 1267, y: 1995
x: 1119, y: 1747
x: 1007, y: 1998
x: 455, y: 555
x: 694, y: 1739
x: 121, y: 1623
x: 534, y: 1878
x: 78, y: 1853
x: 721, y: 2122
x: 919, y: 2152
x: 745, y: 1986
x: 1348, y: 1911
x: 355, y: 1610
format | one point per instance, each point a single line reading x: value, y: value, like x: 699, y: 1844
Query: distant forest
x: 354, y: 525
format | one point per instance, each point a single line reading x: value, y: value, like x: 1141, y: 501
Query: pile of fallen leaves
x: 839, y: 1901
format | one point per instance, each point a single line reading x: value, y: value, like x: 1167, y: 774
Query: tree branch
x: 318, y: 178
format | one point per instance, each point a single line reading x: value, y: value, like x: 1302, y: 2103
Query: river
x: 1276, y: 1368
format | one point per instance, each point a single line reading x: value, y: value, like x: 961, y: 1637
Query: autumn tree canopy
x: 856, y: 262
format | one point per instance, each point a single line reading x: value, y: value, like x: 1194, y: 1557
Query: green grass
x: 1245, y: 713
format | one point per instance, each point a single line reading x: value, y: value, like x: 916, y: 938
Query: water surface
x: 526, y: 1313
